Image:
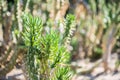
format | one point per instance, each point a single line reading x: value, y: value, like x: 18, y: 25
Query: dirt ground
x: 97, y: 74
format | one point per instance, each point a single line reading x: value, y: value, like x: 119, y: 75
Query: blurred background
x: 95, y: 43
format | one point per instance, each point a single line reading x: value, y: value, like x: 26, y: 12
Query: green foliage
x: 32, y: 29
x: 97, y: 53
x: 69, y: 28
x: 47, y: 58
x: 31, y: 35
x: 68, y: 23
x: 117, y: 63
x: 62, y: 73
